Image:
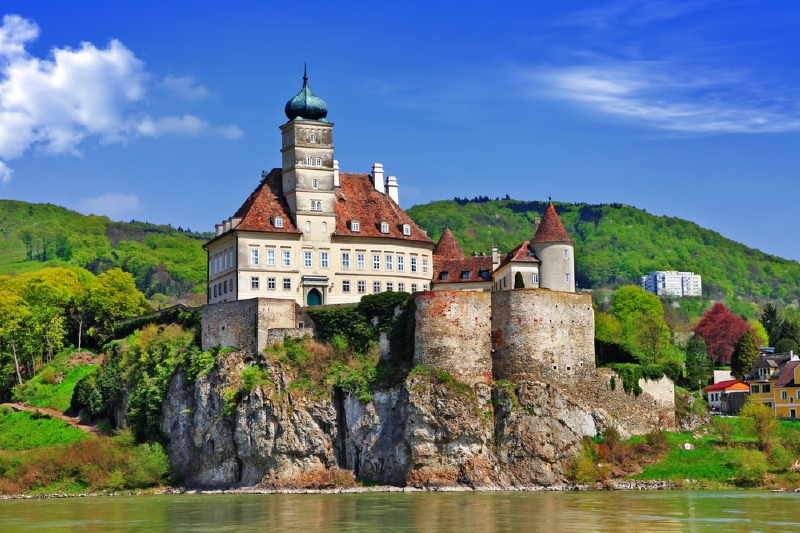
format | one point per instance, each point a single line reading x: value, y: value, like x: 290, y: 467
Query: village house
x: 775, y: 381
x: 720, y: 394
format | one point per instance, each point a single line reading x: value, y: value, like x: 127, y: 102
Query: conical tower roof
x: 447, y: 247
x: 551, y: 229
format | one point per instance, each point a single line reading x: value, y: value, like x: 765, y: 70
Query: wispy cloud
x: 639, y: 12
x: 670, y: 97
x: 184, y: 86
x: 88, y: 92
x: 114, y: 206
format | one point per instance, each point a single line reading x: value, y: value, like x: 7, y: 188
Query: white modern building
x: 673, y: 283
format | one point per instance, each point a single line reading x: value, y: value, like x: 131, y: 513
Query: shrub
x: 657, y: 440
x: 518, y: 282
x: 725, y: 428
x: 48, y: 375
x: 751, y: 466
x: 584, y: 466
x: 252, y: 377
x: 759, y: 421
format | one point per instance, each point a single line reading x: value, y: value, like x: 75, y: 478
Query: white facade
x: 673, y: 283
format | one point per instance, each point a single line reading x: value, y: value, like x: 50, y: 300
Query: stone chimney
x: 335, y: 173
x: 392, y: 190
x: 495, y: 257
x: 377, y: 176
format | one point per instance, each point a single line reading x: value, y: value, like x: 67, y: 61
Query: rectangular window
x: 271, y: 258
x: 389, y: 262
x: 271, y: 284
x: 215, y: 291
x: 389, y: 286
x: 536, y: 278
x: 323, y: 259
x: 401, y: 287
x: 230, y: 258
x: 566, y: 278
x: 216, y: 265
x: 345, y: 260
x: 566, y: 254
x: 765, y: 388
x: 401, y: 265
x: 362, y: 261
x: 376, y: 262
x: 413, y: 287
x: 425, y: 287
x: 287, y: 258
x: 225, y: 261
x: 753, y: 389
x: 346, y: 285
x: 413, y: 264
x: 225, y: 286
x: 287, y: 284
x: 307, y: 259
x: 376, y: 286
x: 254, y: 256
x: 783, y: 395
x: 231, y: 284
x: 362, y: 286
x: 798, y: 394
x: 254, y: 283
x: 424, y: 266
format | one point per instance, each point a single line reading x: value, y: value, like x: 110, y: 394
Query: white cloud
x: 114, y: 206
x: 88, y: 92
x: 184, y: 86
x: 669, y: 96
x: 5, y: 173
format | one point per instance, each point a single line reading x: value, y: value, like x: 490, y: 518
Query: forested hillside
x: 616, y: 244
x: 165, y: 262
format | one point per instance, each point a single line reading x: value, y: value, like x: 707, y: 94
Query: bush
x: 725, y: 428
x: 673, y: 370
x: 584, y: 467
x: 48, y: 375
x: 518, y: 282
x: 252, y: 377
x: 759, y: 421
x: 751, y: 466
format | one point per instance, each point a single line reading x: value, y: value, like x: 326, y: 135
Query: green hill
x: 164, y: 260
x: 616, y: 244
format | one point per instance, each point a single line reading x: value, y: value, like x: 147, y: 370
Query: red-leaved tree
x: 721, y: 328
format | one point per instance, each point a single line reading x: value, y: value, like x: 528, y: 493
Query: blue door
x: 314, y: 298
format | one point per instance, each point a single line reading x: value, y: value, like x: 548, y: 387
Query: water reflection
x: 434, y: 512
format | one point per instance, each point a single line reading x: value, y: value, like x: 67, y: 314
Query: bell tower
x: 307, y: 159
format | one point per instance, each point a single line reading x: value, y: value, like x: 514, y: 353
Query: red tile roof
x: 265, y: 202
x: 522, y: 253
x: 357, y: 199
x: 455, y: 268
x: 447, y: 247
x: 787, y: 375
x: 551, y: 229
x: 723, y: 385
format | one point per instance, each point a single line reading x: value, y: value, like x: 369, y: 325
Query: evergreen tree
x: 744, y: 356
x: 772, y: 321
x: 518, y: 283
x: 699, y: 365
x: 790, y: 330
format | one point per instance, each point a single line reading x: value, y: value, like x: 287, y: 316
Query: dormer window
x: 355, y: 226
x: 465, y: 274
x: 313, y: 138
x: 278, y: 222
x: 314, y: 184
x: 443, y: 275
x: 384, y: 227
x: 406, y: 229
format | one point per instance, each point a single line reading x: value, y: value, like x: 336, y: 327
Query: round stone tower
x: 554, y: 248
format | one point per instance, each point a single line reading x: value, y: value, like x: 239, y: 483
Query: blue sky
x: 169, y: 111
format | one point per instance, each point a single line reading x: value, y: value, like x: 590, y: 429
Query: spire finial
x: 550, y: 198
x: 305, y: 72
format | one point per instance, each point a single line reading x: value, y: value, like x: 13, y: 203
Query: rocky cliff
x: 428, y: 430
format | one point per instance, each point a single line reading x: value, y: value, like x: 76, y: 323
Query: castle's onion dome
x: 306, y: 105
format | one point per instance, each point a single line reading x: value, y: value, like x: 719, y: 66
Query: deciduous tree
x: 114, y: 296
x: 759, y: 420
x: 721, y: 329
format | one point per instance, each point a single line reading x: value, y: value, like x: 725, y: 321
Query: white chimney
x: 335, y: 173
x: 377, y: 176
x: 219, y: 229
x: 226, y: 225
x: 235, y: 221
x: 391, y: 189
x: 495, y: 257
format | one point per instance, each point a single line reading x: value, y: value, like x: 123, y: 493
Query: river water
x: 461, y: 512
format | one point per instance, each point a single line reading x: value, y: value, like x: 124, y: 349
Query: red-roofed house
x: 716, y: 392
x: 453, y: 271
x: 546, y: 261
x: 315, y: 236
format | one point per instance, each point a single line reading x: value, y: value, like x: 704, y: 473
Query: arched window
x: 308, y: 227
x: 308, y: 161
x: 314, y: 184
x: 324, y: 227
x: 319, y: 162
x: 313, y: 138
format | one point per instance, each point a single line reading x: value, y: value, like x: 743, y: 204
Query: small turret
x: 554, y: 248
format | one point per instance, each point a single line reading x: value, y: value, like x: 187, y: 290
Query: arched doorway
x: 313, y: 298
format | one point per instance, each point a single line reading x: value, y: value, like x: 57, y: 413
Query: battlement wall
x: 539, y: 332
x: 453, y: 333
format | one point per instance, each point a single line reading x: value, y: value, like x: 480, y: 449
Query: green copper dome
x: 306, y: 105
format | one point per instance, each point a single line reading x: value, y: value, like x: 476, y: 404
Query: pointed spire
x: 305, y: 73
x: 447, y: 247
x: 551, y: 229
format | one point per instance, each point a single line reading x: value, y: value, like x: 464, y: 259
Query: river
x: 462, y: 512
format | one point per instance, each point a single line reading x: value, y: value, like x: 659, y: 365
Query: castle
x: 314, y: 235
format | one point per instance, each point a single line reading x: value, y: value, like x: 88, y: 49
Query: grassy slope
x: 58, y: 395
x: 616, y: 244
x: 21, y: 431
x: 161, y: 258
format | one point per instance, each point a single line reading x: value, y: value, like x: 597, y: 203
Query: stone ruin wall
x: 453, y: 334
x: 246, y: 324
x: 538, y: 332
